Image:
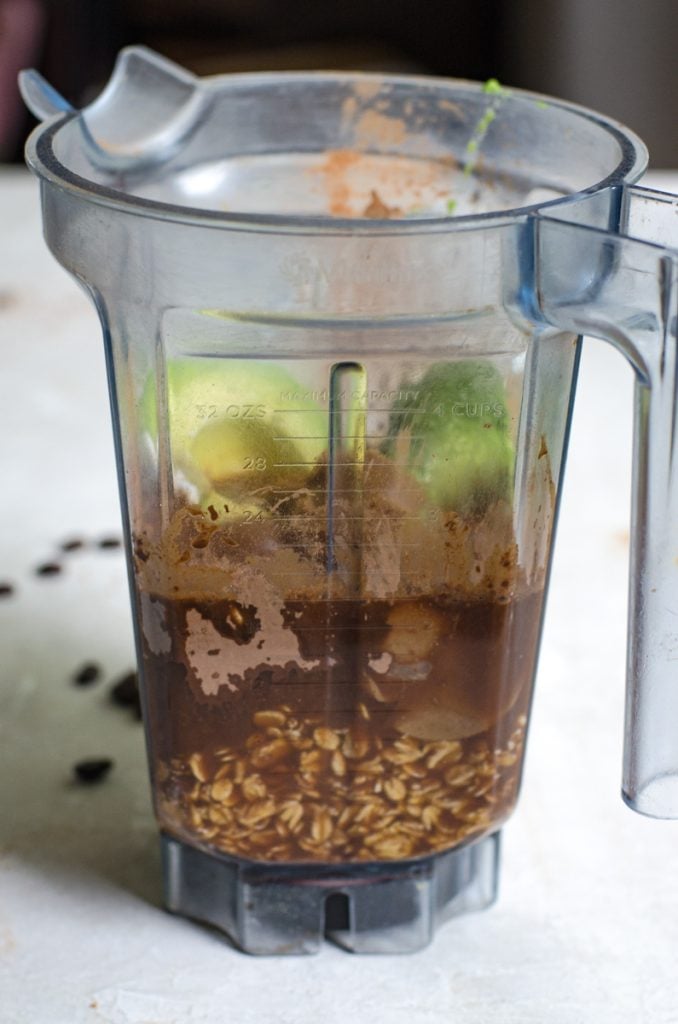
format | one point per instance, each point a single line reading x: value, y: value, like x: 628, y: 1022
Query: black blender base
x: 278, y: 909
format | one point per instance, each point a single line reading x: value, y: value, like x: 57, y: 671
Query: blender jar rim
x: 42, y: 160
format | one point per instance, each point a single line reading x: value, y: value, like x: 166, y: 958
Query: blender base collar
x: 279, y: 909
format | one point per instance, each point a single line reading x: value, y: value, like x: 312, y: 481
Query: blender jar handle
x: 624, y: 290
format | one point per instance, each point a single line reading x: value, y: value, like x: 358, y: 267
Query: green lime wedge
x: 456, y: 435
x: 237, y: 425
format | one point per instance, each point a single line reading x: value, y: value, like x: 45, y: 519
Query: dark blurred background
x: 617, y: 56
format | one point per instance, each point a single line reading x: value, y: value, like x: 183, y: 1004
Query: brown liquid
x: 395, y: 731
x: 370, y: 711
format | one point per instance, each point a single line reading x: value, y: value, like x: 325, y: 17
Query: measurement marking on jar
x: 350, y: 710
x: 366, y: 465
x: 363, y: 411
x: 317, y: 683
x: 300, y: 573
x: 385, y: 546
x: 299, y: 544
x: 361, y: 624
x: 322, y: 575
x: 330, y: 627
x: 361, y: 547
x: 295, y: 491
x: 362, y: 519
x: 347, y: 437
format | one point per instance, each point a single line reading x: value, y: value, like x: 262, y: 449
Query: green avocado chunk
x: 456, y: 435
x: 237, y: 425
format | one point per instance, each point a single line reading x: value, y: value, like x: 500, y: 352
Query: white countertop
x: 586, y: 927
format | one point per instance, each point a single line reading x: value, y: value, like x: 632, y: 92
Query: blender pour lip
x: 120, y: 133
x: 42, y: 160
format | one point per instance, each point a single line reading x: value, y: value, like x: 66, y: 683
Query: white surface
x: 586, y: 927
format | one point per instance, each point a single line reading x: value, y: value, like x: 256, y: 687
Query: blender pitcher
x: 342, y: 316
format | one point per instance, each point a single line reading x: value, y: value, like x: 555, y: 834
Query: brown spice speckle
x: 376, y: 209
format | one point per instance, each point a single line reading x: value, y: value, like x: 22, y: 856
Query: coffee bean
x: 48, y: 569
x: 92, y: 769
x: 89, y: 673
x: 125, y: 693
x: 72, y: 545
x: 126, y: 690
x: 110, y: 542
x: 6, y: 589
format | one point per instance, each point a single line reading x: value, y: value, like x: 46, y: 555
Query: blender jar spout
x: 143, y: 115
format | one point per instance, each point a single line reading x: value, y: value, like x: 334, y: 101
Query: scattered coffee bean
x: 125, y: 693
x: 126, y: 690
x: 89, y: 673
x: 92, y: 769
x: 72, y: 545
x: 48, y: 569
x: 6, y: 589
x: 110, y: 543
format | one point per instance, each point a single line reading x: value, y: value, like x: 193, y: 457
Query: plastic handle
x: 625, y: 290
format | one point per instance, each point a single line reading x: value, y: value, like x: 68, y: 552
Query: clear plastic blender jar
x: 342, y: 318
